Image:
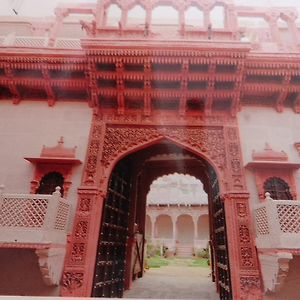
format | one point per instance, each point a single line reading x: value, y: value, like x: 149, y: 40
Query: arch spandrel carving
x: 122, y: 140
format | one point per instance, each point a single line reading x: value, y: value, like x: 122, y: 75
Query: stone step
x: 184, y: 251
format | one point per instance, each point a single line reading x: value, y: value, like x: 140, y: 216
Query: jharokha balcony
x: 278, y: 224
x: 277, y: 239
x: 36, y: 223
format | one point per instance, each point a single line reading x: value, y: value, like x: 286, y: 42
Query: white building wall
x: 26, y: 127
x: 281, y: 131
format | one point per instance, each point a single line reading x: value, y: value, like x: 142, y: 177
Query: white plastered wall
x: 281, y: 131
x: 26, y: 127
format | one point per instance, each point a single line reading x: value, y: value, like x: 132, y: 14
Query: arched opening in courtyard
x: 120, y: 255
x: 177, y: 216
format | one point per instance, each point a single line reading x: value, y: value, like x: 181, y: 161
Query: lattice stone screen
x: 278, y: 224
x: 68, y: 43
x: 16, y: 211
x: 62, y: 216
x: 48, y: 212
x: 262, y: 224
x: 29, y: 42
x: 289, y: 217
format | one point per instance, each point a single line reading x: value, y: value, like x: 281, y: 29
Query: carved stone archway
x: 110, y: 141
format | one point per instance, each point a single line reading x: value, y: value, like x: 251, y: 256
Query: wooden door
x: 111, y: 256
x: 219, y: 243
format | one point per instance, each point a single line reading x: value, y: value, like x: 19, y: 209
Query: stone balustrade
x: 277, y: 224
x: 34, y: 218
x: 38, y: 42
x: 40, y: 223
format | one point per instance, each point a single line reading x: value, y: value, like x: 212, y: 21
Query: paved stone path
x: 174, y: 282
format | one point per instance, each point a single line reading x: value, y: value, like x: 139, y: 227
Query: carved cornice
x: 271, y: 159
x: 234, y: 51
x: 268, y: 154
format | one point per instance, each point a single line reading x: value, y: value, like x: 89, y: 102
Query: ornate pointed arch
x: 115, y: 137
x: 207, y: 143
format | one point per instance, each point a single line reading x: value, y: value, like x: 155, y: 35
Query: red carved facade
x: 183, y: 87
x: 110, y: 142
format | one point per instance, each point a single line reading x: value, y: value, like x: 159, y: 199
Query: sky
x: 43, y: 8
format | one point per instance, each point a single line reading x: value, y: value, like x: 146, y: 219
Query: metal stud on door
x: 219, y: 240
x: 110, y: 265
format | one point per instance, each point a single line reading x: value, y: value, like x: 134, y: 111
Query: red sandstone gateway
x: 221, y: 98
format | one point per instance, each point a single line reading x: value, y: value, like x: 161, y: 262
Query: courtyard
x: 180, y: 279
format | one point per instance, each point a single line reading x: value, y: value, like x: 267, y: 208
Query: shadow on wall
x: 290, y: 288
x: 20, y: 274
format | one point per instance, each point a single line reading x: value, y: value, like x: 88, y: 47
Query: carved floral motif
x: 78, y: 251
x: 244, y: 234
x: 81, y: 229
x: 205, y: 140
x: 84, y: 204
x: 94, y: 147
x: 247, y: 257
x: 72, y: 280
x: 232, y: 134
x: 249, y: 282
x: 242, y: 209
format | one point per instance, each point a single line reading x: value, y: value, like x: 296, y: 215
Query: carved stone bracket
x: 274, y: 267
x: 51, y: 263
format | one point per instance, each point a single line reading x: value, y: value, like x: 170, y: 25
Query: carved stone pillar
x: 231, y: 19
x: 148, y: 18
x: 243, y: 261
x: 124, y: 18
x: 100, y: 14
x: 206, y: 18
x: 81, y: 253
x: 274, y: 30
x: 82, y: 249
x: 181, y: 19
x: 60, y: 15
x: 292, y: 27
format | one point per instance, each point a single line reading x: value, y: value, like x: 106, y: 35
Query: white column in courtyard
x: 174, y: 222
x: 153, y: 227
x: 195, y: 220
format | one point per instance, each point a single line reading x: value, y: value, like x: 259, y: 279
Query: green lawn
x: 199, y: 262
x: 158, y: 261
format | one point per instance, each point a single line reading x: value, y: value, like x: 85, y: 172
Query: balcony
x: 37, y: 222
x: 277, y: 224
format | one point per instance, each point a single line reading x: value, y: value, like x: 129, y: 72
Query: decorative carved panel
x: 111, y: 140
x: 205, y: 140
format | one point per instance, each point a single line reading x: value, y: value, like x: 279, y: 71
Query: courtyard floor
x: 175, y: 281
